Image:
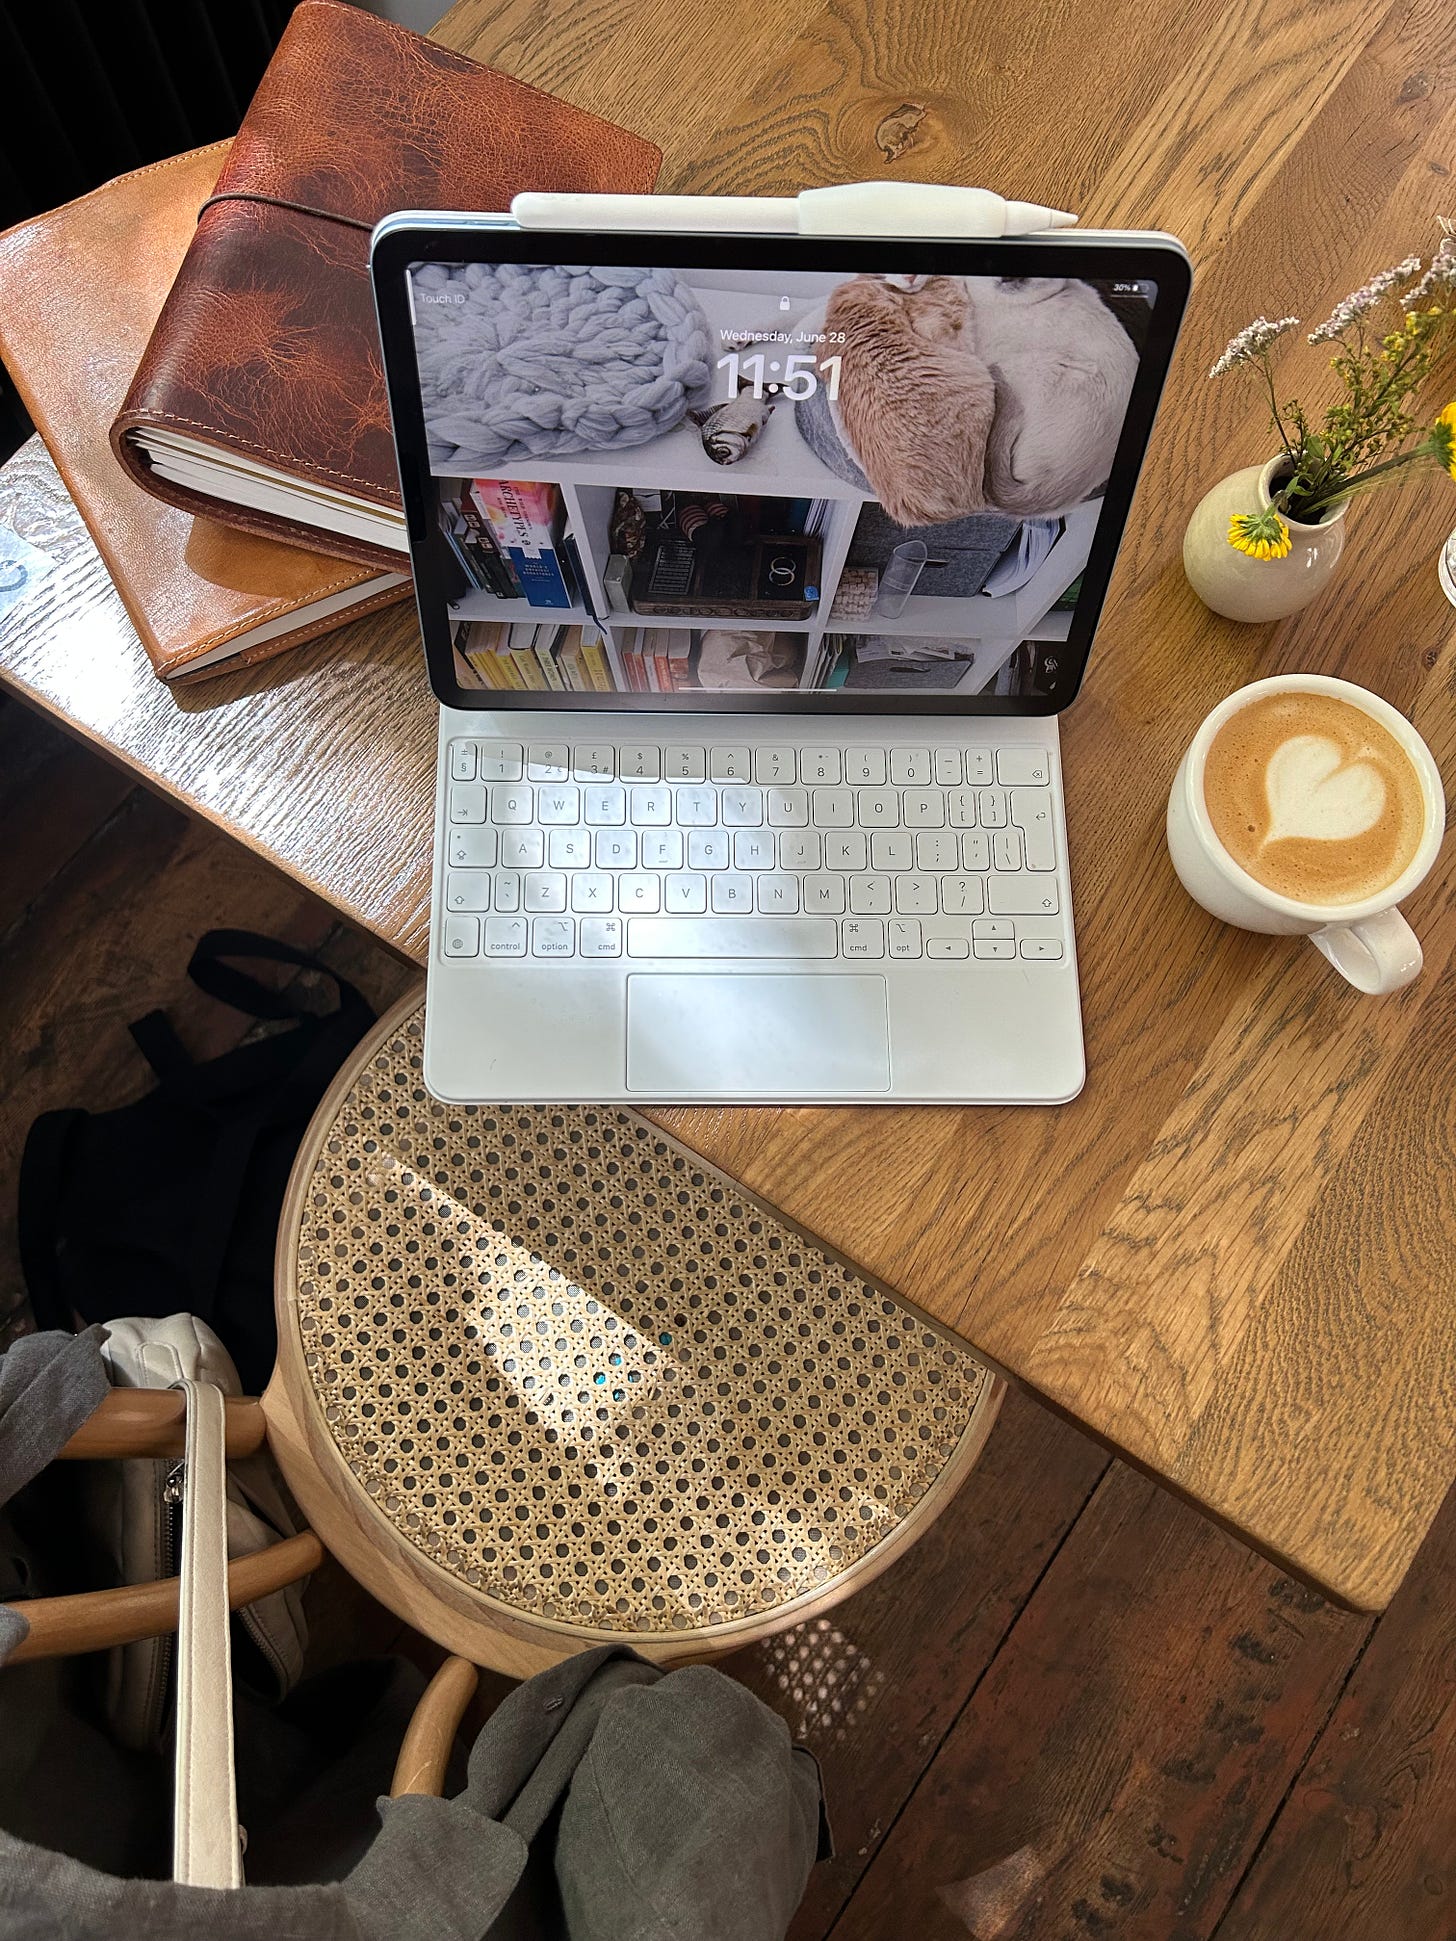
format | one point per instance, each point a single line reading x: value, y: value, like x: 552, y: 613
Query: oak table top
x: 1232, y: 1257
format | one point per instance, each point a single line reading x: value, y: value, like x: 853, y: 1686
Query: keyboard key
x: 1023, y: 766
x: 472, y: 848
x: 662, y: 848
x: 741, y: 808
x: 729, y: 765
x: 461, y: 937
x: 960, y: 808
x: 505, y: 936
x: 962, y: 896
x: 467, y: 890
x: 862, y: 937
x: 991, y: 808
x: 685, y: 894
x: 1031, y: 811
x: 601, y: 937
x: 650, y: 807
x: 511, y: 804
x: 946, y: 766
x: 708, y: 848
x: 684, y: 765
x: 467, y: 802
x: 545, y: 890
x: 616, y: 849
x: 847, y: 852
x: 754, y: 849
x: 824, y: 896
x: 892, y: 849
x: 994, y: 927
x: 744, y: 936
x: 1006, y: 849
x: 821, y: 765
x: 569, y: 848
x: 910, y: 765
x: 731, y: 892
x: 505, y: 890
x: 975, y: 850
x: 639, y: 893
x: 604, y: 805
x: 865, y: 767
x: 548, y: 762
x: 833, y: 808
x: 923, y: 809
x: 787, y: 808
x: 1042, y: 950
x: 917, y: 895
x: 639, y: 764
x: 937, y: 849
x: 992, y: 947
x: 869, y: 896
x: 559, y: 805
x: 800, y: 850
x: 553, y: 937
x: 462, y: 761
x: 500, y: 761
x: 774, y: 765
x: 590, y: 762
x: 979, y: 768
x: 522, y: 849
x: 904, y: 938
x: 878, y: 808
x: 697, y: 808
x: 1022, y: 896
x: 947, y: 947
x: 778, y: 896
x: 591, y: 890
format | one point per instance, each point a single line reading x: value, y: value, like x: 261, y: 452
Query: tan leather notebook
x: 261, y: 396
x: 80, y: 289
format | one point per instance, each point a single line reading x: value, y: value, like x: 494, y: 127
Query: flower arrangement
x: 1371, y: 434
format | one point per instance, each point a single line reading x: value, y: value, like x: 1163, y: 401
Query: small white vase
x: 1241, y: 588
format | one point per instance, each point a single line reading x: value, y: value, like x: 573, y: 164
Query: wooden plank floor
x: 1075, y: 1712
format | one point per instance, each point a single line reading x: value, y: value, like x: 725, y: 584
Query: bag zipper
x: 172, y: 1551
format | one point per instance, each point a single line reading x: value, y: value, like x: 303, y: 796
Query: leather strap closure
x: 206, y: 1849
x: 282, y: 202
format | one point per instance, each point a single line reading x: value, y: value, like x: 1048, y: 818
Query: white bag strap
x: 206, y: 1850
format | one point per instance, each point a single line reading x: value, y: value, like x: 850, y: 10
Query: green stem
x: 1361, y: 479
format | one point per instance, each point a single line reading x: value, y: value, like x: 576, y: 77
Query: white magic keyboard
x: 679, y: 852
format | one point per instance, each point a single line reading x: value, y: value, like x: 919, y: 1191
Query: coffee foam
x: 1313, y: 798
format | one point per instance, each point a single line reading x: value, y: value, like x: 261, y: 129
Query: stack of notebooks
x: 137, y: 322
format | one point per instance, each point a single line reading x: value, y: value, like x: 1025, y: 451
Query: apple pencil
x: 889, y: 209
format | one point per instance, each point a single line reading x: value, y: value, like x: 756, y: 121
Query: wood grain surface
x: 1231, y: 1258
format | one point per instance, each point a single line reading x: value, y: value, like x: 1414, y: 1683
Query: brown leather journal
x: 80, y: 289
x: 266, y: 354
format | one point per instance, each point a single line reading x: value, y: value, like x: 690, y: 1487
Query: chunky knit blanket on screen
x: 519, y: 361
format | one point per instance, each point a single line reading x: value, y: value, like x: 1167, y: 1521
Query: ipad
x: 688, y: 473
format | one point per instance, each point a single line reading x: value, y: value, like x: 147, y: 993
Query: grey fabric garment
x: 962, y: 551
x: 49, y: 1385
x: 697, y: 1822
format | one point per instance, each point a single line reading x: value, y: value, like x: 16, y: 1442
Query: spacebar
x: 732, y: 937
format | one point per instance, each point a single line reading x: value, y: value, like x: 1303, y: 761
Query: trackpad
x: 756, y: 1034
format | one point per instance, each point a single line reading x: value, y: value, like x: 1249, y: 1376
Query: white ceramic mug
x: 1369, y: 942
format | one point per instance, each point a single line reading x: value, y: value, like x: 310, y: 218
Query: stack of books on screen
x: 525, y: 657
x: 509, y: 539
x: 658, y: 660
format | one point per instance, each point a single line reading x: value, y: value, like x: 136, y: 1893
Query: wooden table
x: 1232, y: 1257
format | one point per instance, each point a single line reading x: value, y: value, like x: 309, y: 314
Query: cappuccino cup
x: 1307, y: 806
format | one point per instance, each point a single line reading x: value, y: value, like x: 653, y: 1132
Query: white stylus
x: 845, y: 209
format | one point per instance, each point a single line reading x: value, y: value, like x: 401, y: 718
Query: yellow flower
x: 1262, y: 535
x: 1443, y: 432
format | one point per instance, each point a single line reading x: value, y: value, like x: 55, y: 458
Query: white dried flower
x: 1363, y: 300
x: 1251, y: 341
x: 1441, y: 274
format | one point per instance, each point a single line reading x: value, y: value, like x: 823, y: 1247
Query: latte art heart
x: 1315, y: 793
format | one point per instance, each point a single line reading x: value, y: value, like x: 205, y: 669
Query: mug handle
x: 1377, y: 954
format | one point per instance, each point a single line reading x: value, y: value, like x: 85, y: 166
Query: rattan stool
x: 545, y: 1380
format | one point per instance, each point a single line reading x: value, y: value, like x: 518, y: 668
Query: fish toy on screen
x: 729, y: 429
